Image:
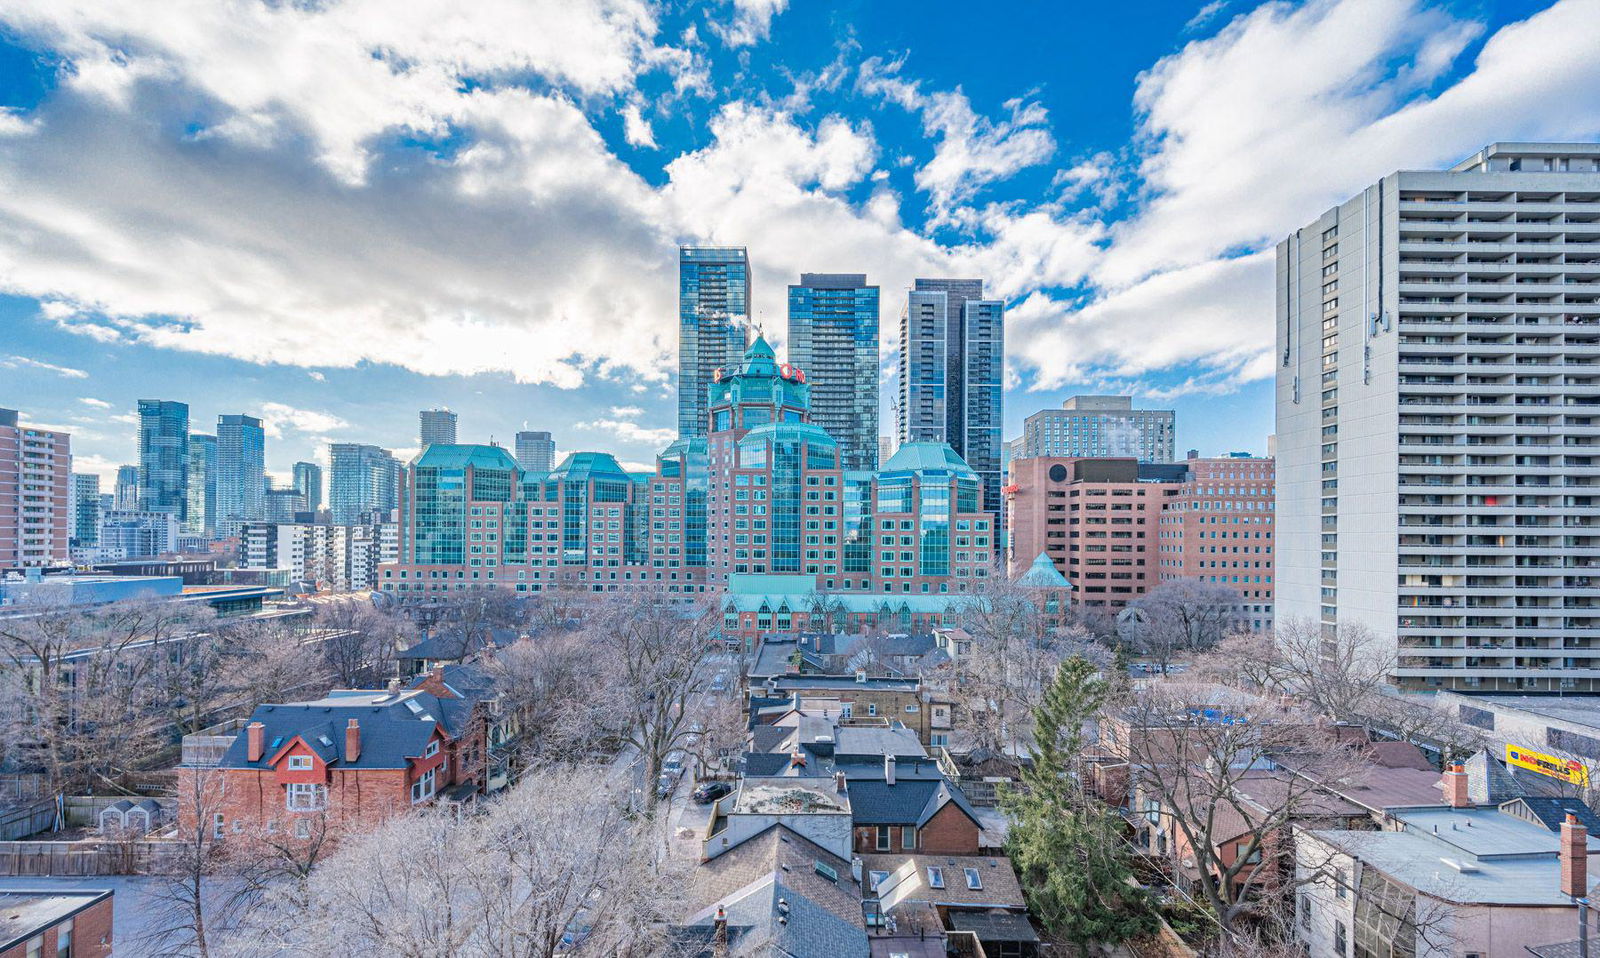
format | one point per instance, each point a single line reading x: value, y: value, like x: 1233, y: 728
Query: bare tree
x: 358, y: 641
x: 557, y: 866
x: 1183, y: 616
x: 198, y: 897
x: 266, y: 661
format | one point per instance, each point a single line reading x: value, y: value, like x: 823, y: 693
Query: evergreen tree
x: 1066, y: 845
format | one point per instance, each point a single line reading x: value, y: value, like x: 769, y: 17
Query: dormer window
x: 431, y: 750
x: 299, y: 763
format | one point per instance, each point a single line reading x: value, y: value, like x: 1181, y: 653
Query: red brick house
x: 912, y: 808
x: 344, y: 761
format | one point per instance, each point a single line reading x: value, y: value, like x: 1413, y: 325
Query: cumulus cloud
x: 277, y: 418
x: 627, y: 431
x: 636, y: 129
x: 96, y: 403
x: 750, y: 23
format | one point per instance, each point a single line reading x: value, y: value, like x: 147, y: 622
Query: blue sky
x: 334, y: 214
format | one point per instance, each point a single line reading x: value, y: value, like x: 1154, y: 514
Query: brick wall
x: 91, y: 935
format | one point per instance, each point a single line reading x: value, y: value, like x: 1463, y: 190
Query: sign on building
x: 1566, y: 769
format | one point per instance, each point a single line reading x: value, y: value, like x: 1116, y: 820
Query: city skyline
x: 1127, y: 229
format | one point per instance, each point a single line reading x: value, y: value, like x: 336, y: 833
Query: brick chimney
x: 838, y: 781
x: 1455, y: 787
x: 352, y: 741
x: 255, y: 740
x: 719, y: 934
x: 888, y: 769
x: 1574, y: 858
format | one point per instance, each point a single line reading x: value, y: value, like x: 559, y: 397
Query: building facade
x: 308, y: 482
x: 164, y: 456
x: 363, y: 481
x: 241, y: 468
x: 436, y: 426
x: 833, y: 339
x: 85, y: 510
x: 1099, y: 427
x: 201, y: 517
x: 1435, y: 409
x: 126, y: 492
x: 132, y: 535
x: 713, y: 324
x: 1218, y: 528
x: 37, y: 516
x: 536, y: 451
x: 952, y: 375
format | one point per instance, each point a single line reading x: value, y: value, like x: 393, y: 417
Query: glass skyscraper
x: 202, y: 516
x: 241, y: 466
x: 85, y: 508
x: 125, y: 496
x: 952, y: 375
x: 713, y: 324
x: 833, y: 338
x: 361, y: 480
x: 163, y: 456
x: 308, y: 482
x: 436, y: 427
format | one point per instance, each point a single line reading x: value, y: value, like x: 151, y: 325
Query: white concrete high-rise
x: 536, y: 451
x: 1094, y: 427
x: 1438, y: 420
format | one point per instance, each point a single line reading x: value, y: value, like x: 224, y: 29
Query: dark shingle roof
x: 392, y: 731
x: 904, y: 802
x: 454, y: 644
x: 1551, y: 812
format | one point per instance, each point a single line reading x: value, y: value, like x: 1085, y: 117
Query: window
x: 1341, y: 884
x: 825, y: 870
x: 35, y: 946
x: 64, y: 939
x: 974, y: 880
x: 874, y: 879
x: 908, y: 837
x: 299, y: 763
x: 431, y: 750
x: 1340, y: 939
x: 1305, y: 911
x: 302, y: 828
x: 218, y: 826
x: 935, y: 876
x: 883, y: 838
x: 422, y: 788
x: 306, y: 797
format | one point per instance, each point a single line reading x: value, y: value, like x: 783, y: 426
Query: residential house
x: 55, y: 923
x: 978, y: 895
x: 909, y: 807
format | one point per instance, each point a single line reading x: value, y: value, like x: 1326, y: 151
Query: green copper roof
x: 790, y: 432
x: 439, y: 456
x: 583, y: 466
x: 926, y: 456
x: 1043, y: 575
x: 759, y: 360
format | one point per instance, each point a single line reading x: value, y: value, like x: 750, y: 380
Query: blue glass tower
x: 163, y: 456
x: 241, y: 463
x: 202, y: 515
x: 833, y: 338
x: 713, y: 324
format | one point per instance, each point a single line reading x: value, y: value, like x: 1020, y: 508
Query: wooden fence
x: 78, y: 859
x: 24, y: 820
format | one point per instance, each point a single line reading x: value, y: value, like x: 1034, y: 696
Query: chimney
x: 888, y: 769
x: 855, y: 869
x: 255, y: 740
x: 1574, y: 858
x: 838, y: 781
x: 1455, y: 787
x: 719, y: 934
x: 352, y: 741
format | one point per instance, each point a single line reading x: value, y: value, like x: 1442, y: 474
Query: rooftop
x: 440, y: 456
x: 788, y: 796
x: 24, y: 914
x: 926, y: 456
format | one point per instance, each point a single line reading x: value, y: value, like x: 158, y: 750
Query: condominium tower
x: 952, y: 375
x: 833, y: 339
x: 163, y: 456
x: 436, y: 426
x: 1438, y: 397
x: 1098, y: 427
x: 125, y: 495
x: 241, y: 466
x: 36, y: 514
x: 308, y: 482
x: 201, y: 519
x: 362, y: 481
x: 85, y: 509
x: 536, y: 451
x: 713, y: 324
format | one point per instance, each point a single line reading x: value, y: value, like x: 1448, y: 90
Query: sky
x: 333, y: 213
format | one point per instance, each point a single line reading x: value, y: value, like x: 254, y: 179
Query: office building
x: 713, y: 324
x: 833, y: 340
x: 164, y: 456
x: 308, y: 482
x: 36, y: 507
x: 436, y: 426
x: 85, y: 509
x: 241, y: 468
x: 1099, y: 427
x: 201, y: 519
x: 363, y: 483
x: 282, y: 505
x: 1218, y: 529
x: 133, y: 535
x: 536, y: 451
x: 126, y: 491
x: 1438, y: 399
x: 952, y: 375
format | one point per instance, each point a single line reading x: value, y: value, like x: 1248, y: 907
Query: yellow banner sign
x: 1566, y: 769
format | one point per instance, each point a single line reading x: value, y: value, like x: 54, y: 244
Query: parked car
x: 719, y: 682
x: 709, y: 792
x: 671, y: 774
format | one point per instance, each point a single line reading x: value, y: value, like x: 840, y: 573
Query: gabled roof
x: 395, y: 728
x: 1551, y: 812
x: 914, y: 802
x: 451, y: 643
x: 926, y: 457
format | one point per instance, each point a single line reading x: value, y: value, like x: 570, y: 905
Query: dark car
x: 709, y: 792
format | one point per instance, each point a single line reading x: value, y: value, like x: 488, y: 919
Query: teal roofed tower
x: 583, y: 466
x: 758, y: 391
x: 1043, y: 574
x: 926, y: 457
x: 441, y: 456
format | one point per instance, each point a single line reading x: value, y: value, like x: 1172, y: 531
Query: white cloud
x: 636, y: 129
x: 626, y: 412
x: 23, y: 362
x: 278, y: 417
x: 629, y: 431
x: 96, y: 403
x: 1205, y: 16
x: 751, y: 22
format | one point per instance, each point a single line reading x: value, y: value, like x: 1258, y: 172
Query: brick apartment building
x: 36, y: 513
x: 1117, y: 528
x: 348, y: 760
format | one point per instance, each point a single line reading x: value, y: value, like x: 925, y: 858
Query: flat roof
x: 789, y: 796
x: 1484, y: 832
x: 24, y: 914
x: 1577, y: 709
x: 1425, y: 865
